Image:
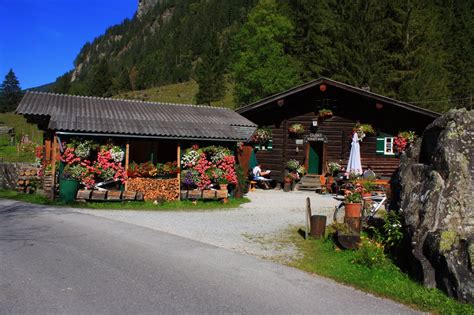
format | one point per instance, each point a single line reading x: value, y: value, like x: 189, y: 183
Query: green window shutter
x: 380, y: 146
x: 270, y: 144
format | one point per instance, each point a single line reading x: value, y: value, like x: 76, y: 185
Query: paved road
x: 60, y: 261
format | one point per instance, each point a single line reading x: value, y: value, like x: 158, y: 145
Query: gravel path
x: 253, y: 228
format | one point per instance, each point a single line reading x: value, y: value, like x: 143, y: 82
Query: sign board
x: 317, y: 136
x: 299, y: 141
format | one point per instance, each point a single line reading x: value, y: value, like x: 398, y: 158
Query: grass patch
x: 320, y: 257
x: 181, y: 93
x: 184, y: 205
x: 8, y: 153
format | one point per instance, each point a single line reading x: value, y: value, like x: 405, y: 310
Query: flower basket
x: 363, y: 130
x: 296, y: 129
x: 262, y: 136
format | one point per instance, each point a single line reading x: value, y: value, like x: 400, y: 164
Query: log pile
x: 48, y: 184
x: 28, y: 180
x: 108, y: 195
x: 155, y: 189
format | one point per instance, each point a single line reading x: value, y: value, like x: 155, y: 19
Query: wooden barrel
x: 318, y: 226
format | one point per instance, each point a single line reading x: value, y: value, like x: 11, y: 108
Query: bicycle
x: 369, y: 210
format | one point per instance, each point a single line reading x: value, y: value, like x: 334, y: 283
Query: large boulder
x: 435, y: 196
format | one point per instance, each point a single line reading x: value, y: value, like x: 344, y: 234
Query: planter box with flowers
x: 207, y: 170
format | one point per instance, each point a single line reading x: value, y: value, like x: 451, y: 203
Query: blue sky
x: 40, y: 39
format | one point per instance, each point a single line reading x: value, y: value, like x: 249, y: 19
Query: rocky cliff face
x: 435, y: 197
x: 145, y: 5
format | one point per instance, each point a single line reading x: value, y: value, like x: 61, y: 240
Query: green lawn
x: 128, y: 205
x: 320, y: 257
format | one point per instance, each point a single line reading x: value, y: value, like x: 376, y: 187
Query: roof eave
x: 341, y: 85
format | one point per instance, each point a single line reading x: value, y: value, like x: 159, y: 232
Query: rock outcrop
x: 145, y: 5
x: 435, y: 196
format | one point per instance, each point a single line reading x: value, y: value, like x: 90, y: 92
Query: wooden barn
x: 146, y: 133
x: 329, y: 110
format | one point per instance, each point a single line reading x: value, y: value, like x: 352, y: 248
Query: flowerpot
x: 223, y: 186
x: 68, y: 189
x: 352, y: 210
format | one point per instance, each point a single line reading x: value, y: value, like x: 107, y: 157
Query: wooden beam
x: 127, y: 160
x: 178, y: 152
x: 53, y: 162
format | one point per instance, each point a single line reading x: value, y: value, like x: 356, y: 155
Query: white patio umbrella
x: 354, y: 165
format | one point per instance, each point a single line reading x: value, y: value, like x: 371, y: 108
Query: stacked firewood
x: 28, y: 180
x: 155, y: 189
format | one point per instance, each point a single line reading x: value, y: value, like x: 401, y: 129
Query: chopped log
x: 84, y: 194
x: 98, y: 195
x: 114, y: 195
x: 21, y: 182
x: 140, y: 196
x: 129, y: 195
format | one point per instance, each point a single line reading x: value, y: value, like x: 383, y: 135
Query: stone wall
x: 9, y: 174
x: 434, y: 192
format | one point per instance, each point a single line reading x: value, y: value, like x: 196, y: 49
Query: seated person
x: 259, y: 176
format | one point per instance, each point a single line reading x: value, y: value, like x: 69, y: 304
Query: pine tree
x: 100, y: 81
x: 262, y: 66
x: 313, y: 41
x: 210, y: 75
x: 10, y: 93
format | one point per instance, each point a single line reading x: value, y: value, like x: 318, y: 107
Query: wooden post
x: 127, y: 160
x: 53, y: 162
x: 178, y: 152
x: 308, y: 217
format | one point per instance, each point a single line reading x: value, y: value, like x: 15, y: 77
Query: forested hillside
x: 416, y: 51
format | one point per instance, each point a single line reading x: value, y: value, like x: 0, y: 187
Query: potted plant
x: 353, y: 205
x: 296, y: 129
x: 69, y: 182
x: 223, y: 182
x: 368, y: 186
x: 292, y: 165
x: 288, y: 181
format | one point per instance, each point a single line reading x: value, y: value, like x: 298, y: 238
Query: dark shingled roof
x: 115, y: 116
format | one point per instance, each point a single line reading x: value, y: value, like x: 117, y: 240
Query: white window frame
x: 390, y: 143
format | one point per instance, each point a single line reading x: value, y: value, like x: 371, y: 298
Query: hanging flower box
x: 262, y: 136
x: 296, y: 129
x: 363, y: 130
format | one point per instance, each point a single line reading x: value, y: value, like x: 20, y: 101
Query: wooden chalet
x: 328, y: 139
x: 147, y: 131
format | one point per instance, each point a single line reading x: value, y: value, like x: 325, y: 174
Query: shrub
x: 370, y: 253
